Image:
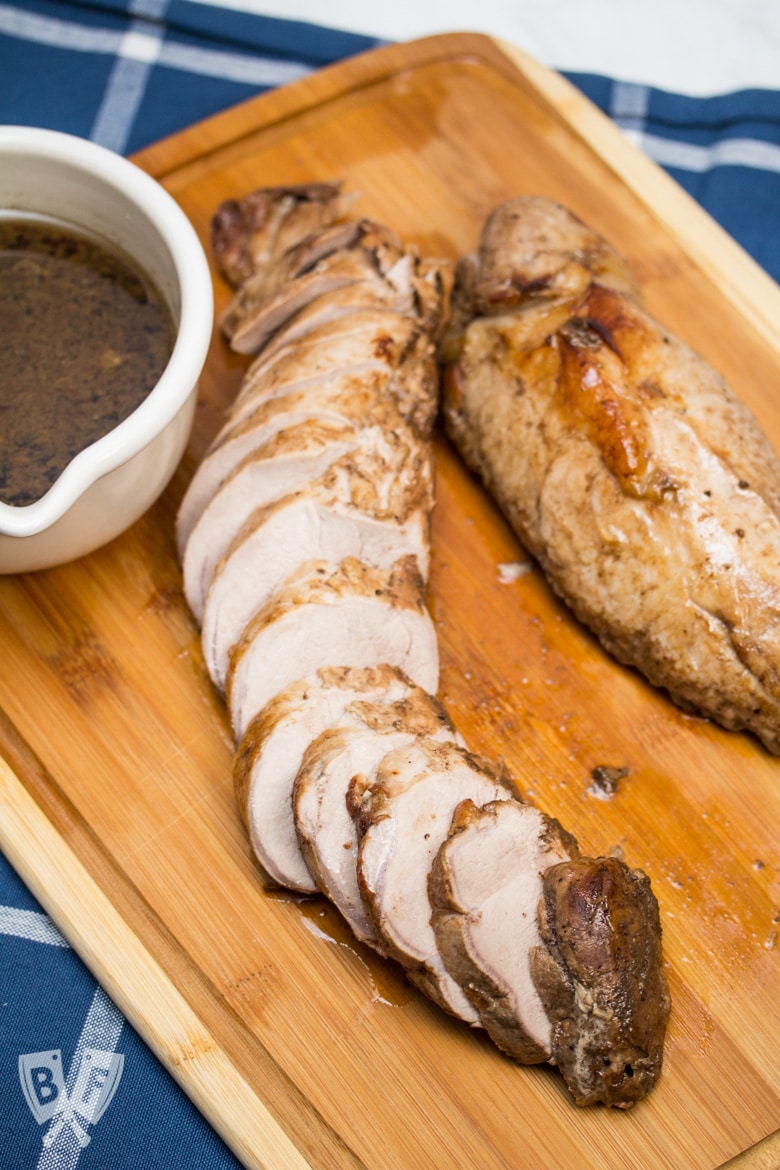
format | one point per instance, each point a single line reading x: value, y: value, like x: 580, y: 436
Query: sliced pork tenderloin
x: 249, y: 332
x: 262, y: 306
x: 232, y: 484
x: 357, y: 396
x: 266, y: 280
x: 326, y: 831
x: 357, y: 249
x: 326, y: 615
x: 354, y: 398
x: 337, y: 304
x: 392, y: 458
x: 317, y: 245
x: 252, y: 234
x: 373, y: 504
x: 348, y: 773
x: 339, y: 344
x: 394, y: 355
x: 402, y: 816
x: 415, y: 289
x: 485, y: 888
x: 276, y: 233
x: 332, y: 384
x: 601, y: 979
x: 325, y: 827
x: 360, y: 277
x: 277, y: 541
x: 271, y: 751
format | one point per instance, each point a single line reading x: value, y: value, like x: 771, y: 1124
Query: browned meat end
x: 600, y: 976
x: 254, y: 232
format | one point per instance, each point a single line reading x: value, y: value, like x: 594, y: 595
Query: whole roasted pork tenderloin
x: 645, y: 489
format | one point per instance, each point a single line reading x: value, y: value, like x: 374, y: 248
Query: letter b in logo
x: 43, y: 1083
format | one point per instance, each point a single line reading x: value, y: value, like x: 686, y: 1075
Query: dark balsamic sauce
x: 84, y: 338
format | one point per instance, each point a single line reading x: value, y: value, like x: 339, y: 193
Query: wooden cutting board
x: 302, y: 1048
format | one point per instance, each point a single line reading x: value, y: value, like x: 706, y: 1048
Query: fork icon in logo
x: 43, y: 1082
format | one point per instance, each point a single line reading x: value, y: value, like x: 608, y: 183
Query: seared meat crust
x: 600, y: 976
x: 253, y: 234
x: 626, y: 466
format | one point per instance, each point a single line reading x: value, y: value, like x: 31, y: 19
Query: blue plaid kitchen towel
x: 77, y: 1085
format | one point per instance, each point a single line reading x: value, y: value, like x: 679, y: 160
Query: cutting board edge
x: 764, y: 1155
x: 71, y: 929
x: 168, y: 1024
x: 747, y: 286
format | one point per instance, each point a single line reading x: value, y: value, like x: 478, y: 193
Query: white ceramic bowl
x: 109, y: 484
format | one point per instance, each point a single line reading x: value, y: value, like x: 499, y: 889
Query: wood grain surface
x: 300, y: 1046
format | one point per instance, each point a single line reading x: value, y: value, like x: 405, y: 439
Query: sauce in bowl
x: 84, y: 338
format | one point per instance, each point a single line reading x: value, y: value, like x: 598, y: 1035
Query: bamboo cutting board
x: 303, y: 1049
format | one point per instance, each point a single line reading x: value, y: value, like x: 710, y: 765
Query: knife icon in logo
x: 43, y: 1081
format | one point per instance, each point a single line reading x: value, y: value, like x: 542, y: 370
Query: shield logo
x: 43, y: 1083
x: 96, y: 1082
x: 91, y: 1092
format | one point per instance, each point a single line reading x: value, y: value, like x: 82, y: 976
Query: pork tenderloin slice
x: 253, y: 233
x: 374, y: 502
x: 327, y: 311
x: 260, y: 285
x: 284, y: 462
x: 242, y: 495
x: 601, y: 979
x: 249, y: 332
x: 402, y: 818
x: 282, y: 537
x: 352, y: 396
x: 363, y: 335
x: 302, y: 257
x: 349, y: 397
x: 338, y: 392
x: 232, y: 446
x: 354, y: 747
x: 485, y: 888
x: 254, y: 315
x: 332, y: 615
x: 399, y: 363
x: 259, y: 310
x: 337, y: 303
x: 271, y: 751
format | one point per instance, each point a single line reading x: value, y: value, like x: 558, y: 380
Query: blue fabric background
x: 45, y: 994
x: 744, y: 199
